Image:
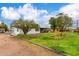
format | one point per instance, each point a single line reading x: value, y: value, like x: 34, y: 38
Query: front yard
x: 68, y: 43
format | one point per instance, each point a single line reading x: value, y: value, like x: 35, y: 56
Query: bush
x: 22, y: 36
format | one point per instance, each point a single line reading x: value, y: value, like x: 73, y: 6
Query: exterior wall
x: 33, y: 31
x: 15, y: 31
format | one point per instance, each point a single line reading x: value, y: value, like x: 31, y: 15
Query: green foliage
x: 25, y: 25
x: 29, y: 36
x: 4, y: 26
x: 61, y: 22
x: 53, y: 23
x: 23, y: 37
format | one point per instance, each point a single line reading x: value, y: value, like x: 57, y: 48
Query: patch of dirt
x: 10, y: 46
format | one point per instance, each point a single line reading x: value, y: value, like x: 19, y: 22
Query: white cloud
x: 44, y: 20
x: 27, y: 12
x: 9, y: 13
x: 72, y: 10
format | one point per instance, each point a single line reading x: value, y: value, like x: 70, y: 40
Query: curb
x: 56, y: 51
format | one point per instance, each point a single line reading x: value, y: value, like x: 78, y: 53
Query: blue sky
x: 51, y: 7
x: 48, y: 9
x: 48, y: 6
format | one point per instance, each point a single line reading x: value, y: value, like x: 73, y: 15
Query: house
x: 44, y: 30
x: 15, y: 31
x: 33, y: 31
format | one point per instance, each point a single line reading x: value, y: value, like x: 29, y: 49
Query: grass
x: 68, y: 43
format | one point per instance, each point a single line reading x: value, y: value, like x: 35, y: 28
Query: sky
x: 39, y: 12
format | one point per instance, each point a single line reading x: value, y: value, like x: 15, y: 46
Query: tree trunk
x: 25, y: 31
x: 53, y: 30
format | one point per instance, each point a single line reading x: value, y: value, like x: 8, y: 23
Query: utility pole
x: 76, y: 23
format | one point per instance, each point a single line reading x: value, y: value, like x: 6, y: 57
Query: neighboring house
x: 44, y: 30
x: 15, y: 31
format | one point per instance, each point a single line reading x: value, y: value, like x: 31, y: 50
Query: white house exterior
x: 15, y: 31
x: 33, y: 31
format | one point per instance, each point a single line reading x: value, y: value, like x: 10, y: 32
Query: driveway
x: 10, y: 46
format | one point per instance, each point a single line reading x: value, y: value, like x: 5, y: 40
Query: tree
x: 61, y: 22
x: 53, y: 23
x: 64, y: 21
x: 4, y: 26
x: 25, y: 25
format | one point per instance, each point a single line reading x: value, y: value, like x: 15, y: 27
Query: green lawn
x: 67, y: 43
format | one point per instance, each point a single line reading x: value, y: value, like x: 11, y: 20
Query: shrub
x: 30, y: 36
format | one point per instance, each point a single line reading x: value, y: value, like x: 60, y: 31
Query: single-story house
x: 44, y: 30
x: 15, y: 31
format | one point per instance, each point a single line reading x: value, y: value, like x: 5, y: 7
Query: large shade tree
x: 25, y: 25
x: 61, y: 22
x: 53, y: 23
